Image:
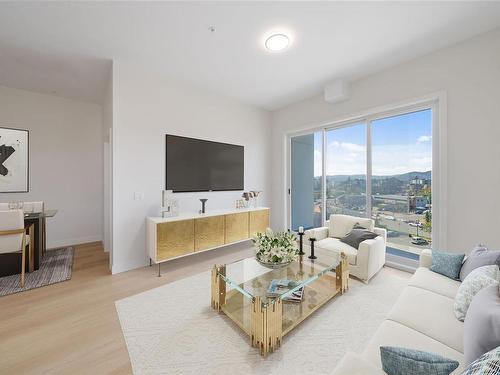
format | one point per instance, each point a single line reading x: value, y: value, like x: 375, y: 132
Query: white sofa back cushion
x: 340, y: 225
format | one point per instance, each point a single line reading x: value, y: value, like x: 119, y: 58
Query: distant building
x: 400, y: 203
x: 392, y: 202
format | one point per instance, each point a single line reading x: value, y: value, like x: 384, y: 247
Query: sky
x: 400, y: 144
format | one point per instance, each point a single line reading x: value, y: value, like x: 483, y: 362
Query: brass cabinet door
x: 259, y: 221
x: 174, y: 239
x: 236, y: 227
x: 208, y: 232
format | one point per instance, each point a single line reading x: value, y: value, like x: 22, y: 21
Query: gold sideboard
x: 169, y: 238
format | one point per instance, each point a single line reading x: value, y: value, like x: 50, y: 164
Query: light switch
x: 138, y: 196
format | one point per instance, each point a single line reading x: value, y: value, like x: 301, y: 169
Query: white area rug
x: 173, y: 330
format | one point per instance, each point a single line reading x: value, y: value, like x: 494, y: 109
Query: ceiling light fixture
x: 277, y: 42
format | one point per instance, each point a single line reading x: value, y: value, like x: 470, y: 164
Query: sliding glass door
x: 306, y: 180
x: 378, y: 167
x: 401, y: 179
x: 345, y: 158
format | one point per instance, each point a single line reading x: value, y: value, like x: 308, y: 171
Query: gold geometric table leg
x: 267, y: 321
x: 342, y: 274
x: 218, y: 287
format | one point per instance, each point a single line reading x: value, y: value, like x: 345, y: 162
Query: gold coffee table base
x: 267, y: 322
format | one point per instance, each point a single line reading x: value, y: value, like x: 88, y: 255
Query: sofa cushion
x: 391, y: 333
x: 480, y: 256
x: 404, y: 361
x: 334, y: 244
x: 340, y: 225
x: 447, y: 264
x: 475, y: 281
x: 431, y: 314
x: 482, y: 324
x: 434, y: 282
x: 353, y: 364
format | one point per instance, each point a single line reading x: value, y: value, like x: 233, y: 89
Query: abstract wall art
x: 14, y: 160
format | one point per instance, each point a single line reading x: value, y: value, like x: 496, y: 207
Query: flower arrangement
x: 275, y: 249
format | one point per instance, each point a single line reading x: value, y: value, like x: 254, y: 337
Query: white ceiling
x: 65, y: 47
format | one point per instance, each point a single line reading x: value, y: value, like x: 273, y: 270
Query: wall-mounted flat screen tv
x: 199, y: 165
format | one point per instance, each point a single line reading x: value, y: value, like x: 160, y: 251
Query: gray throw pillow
x: 482, y: 324
x: 357, y: 235
x: 447, y: 264
x: 402, y: 361
x: 487, y: 364
x: 479, y: 256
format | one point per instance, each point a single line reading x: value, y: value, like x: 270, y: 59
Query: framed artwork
x: 14, y: 160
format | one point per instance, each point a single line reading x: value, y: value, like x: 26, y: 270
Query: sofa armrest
x: 319, y: 233
x: 353, y: 364
x: 381, y: 232
x: 426, y: 258
x: 371, y: 257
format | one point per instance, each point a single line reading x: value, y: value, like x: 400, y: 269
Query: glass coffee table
x: 241, y: 290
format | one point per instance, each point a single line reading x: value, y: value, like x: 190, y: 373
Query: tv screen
x: 198, y: 165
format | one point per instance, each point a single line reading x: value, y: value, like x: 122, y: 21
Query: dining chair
x: 13, y: 238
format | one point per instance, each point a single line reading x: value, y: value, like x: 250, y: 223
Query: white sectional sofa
x: 421, y: 319
x: 364, y: 262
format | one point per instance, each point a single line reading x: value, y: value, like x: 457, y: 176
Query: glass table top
x: 36, y: 215
x: 251, y: 279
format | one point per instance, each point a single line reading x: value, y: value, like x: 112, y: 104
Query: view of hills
x: 405, y: 177
x: 339, y: 185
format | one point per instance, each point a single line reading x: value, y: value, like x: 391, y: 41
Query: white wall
x: 65, y: 161
x: 147, y: 107
x: 470, y: 74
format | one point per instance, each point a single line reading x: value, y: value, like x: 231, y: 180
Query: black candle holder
x: 301, y: 243
x: 312, y: 256
x: 203, y: 201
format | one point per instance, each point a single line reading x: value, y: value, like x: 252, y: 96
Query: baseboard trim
x: 73, y: 241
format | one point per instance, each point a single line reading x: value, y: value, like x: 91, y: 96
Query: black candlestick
x: 203, y: 201
x: 312, y: 256
x: 301, y: 243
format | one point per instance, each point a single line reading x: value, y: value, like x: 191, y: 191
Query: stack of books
x: 281, y: 286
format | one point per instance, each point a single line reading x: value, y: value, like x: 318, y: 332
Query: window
x: 378, y: 167
x: 346, y: 170
x: 401, y: 180
x: 306, y: 180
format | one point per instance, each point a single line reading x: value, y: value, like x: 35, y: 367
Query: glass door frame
x: 437, y: 103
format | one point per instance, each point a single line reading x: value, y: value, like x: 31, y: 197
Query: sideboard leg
x: 150, y: 263
x: 159, y: 273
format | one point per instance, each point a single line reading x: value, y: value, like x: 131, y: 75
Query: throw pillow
x: 479, y: 256
x: 482, y: 323
x: 402, y: 361
x: 357, y: 235
x: 447, y: 264
x: 476, y: 280
x: 487, y: 364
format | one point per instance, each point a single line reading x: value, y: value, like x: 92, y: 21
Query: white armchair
x: 365, y: 261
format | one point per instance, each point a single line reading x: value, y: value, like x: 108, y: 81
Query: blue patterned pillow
x: 487, y: 364
x: 401, y: 361
x: 447, y: 264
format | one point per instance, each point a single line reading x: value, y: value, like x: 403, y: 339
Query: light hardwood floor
x: 72, y: 327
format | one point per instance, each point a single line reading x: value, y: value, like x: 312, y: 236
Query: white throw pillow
x: 475, y: 281
x: 340, y: 225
